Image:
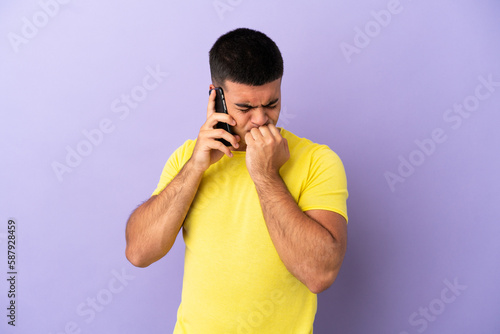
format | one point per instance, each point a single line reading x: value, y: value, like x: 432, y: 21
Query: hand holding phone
x: 220, y: 106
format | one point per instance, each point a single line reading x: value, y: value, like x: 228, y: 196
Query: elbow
x: 321, y: 281
x: 324, y: 277
x: 135, y: 258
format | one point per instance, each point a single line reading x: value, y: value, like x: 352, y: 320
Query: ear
x: 211, y: 87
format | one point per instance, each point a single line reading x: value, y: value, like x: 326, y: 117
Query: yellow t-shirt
x: 234, y: 280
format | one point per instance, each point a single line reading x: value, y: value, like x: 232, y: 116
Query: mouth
x: 258, y: 126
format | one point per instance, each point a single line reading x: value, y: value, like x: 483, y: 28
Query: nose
x: 259, y: 117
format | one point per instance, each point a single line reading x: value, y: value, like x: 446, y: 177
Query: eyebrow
x: 248, y: 106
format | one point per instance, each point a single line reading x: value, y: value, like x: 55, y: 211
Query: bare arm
x: 152, y: 228
x: 311, y: 244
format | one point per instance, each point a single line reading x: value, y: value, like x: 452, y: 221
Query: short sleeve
x: 174, y: 165
x: 326, y: 185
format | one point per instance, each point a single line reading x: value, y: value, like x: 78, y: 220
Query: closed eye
x: 267, y: 107
x: 244, y: 107
x: 272, y: 104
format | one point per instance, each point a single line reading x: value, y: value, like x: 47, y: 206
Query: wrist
x: 193, y: 167
x: 268, y: 178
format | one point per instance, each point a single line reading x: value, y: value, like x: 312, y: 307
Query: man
x: 264, y: 220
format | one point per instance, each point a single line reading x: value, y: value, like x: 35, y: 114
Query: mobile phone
x: 220, y: 106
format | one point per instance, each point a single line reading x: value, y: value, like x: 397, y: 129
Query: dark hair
x: 245, y: 56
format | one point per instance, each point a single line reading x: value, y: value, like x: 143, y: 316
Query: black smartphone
x: 220, y: 106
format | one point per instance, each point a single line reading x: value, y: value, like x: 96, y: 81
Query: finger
x: 211, y: 103
x: 265, y: 131
x: 249, y: 138
x: 232, y: 139
x: 207, y: 141
x: 236, y: 143
x: 256, y: 134
x: 216, y: 117
x: 217, y: 145
x: 274, y: 130
x: 213, y: 134
x: 221, y: 117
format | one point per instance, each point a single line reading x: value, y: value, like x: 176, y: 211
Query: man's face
x: 252, y: 106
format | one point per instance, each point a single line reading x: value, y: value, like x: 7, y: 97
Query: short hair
x: 245, y: 56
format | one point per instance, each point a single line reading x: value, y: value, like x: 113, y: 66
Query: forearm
x: 153, y: 226
x: 308, y: 250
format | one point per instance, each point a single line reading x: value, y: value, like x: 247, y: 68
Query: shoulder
x: 187, y: 146
x: 315, y: 175
x: 303, y: 148
x: 174, y: 164
x: 183, y: 152
x: 180, y: 156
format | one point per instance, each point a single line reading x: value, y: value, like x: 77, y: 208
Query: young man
x: 264, y: 220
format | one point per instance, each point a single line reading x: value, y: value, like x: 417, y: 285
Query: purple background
x: 439, y: 225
